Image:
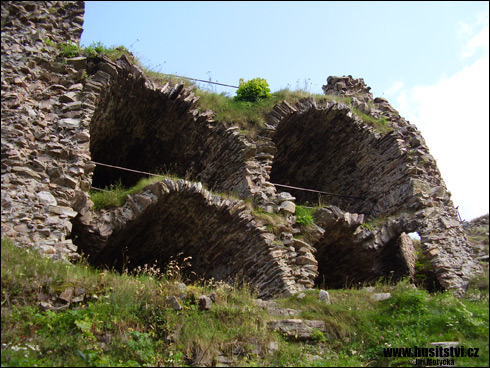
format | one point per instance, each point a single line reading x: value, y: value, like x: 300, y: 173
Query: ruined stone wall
x: 390, y: 177
x: 144, y: 127
x: 171, y: 218
x: 60, y: 116
x: 158, y: 128
x: 44, y: 132
x: 328, y: 148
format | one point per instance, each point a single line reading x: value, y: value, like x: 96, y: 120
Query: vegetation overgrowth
x: 253, y: 90
x: 123, y: 320
x: 247, y: 110
x: 115, y: 195
x: 304, y: 215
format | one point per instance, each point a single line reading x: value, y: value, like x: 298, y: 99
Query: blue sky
x: 429, y: 59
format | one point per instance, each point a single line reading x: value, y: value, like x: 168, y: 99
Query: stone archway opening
x: 141, y: 129
x: 137, y: 126
x: 326, y: 148
x: 180, y: 225
x: 348, y: 260
x: 179, y: 218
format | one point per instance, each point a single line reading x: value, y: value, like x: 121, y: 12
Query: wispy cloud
x: 453, y: 117
x: 394, y: 88
x: 476, y: 43
x: 474, y: 35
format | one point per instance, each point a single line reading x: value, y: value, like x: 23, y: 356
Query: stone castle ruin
x: 63, y: 119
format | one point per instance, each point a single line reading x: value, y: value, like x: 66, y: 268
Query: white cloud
x: 465, y: 29
x: 453, y: 117
x: 477, y: 42
x: 394, y: 88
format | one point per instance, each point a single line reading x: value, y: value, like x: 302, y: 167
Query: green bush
x: 253, y: 90
x: 304, y: 216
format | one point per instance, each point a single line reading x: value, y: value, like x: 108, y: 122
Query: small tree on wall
x: 253, y: 90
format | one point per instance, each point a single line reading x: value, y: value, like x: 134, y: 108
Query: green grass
x: 381, y: 125
x: 304, y: 215
x: 96, y: 49
x: 123, y: 320
x: 115, y: 195
x: 274, y: 222
x: 250, y: 117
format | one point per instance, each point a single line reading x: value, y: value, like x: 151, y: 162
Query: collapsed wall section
x: 179, y: 217
x: 61, y: 115
x: 140, y: 126
x: 389, y: 177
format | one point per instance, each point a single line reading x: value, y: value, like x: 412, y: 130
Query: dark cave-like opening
x: 174, y: 220
x: 139, y: 129
x: 321, y: 150
x: 176, y: 228
x: 146, y: 130
x: 161, y: 131
x: 344, y: 264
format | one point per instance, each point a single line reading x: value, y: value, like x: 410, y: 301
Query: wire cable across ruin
x: 201, y: 80
x: 279, y: 185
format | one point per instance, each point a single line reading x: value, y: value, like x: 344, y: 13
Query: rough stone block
x: 205, y: 303
x: 324, y: 296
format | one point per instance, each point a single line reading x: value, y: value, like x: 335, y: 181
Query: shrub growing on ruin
x: 253, y: 90
x: 69, y: 49
x: 304, y: 216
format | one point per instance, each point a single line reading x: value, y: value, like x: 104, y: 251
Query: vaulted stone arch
x: 180, y: 217
x: 390, y: 177
x: 328, y: 148
x: 138, y: 125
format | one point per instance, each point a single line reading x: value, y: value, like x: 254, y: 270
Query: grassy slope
x: 123, y: 321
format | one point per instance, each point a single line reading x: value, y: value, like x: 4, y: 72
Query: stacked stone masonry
x: 60, y: 116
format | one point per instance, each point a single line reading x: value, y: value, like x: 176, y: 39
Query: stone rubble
x: 298, y: 329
